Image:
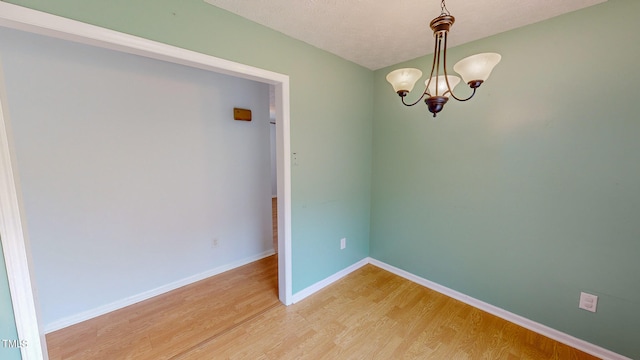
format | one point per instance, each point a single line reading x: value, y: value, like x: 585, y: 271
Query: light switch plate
x: 588, y: 302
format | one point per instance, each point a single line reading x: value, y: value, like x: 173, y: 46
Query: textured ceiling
x: 379, y: 33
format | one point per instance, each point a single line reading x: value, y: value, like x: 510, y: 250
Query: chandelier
x: 474, y: 70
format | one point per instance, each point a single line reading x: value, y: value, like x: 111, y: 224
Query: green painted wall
x: 529, y: 193
x: 522, y: 197
x: 331, y: 115
x: 7, y: 321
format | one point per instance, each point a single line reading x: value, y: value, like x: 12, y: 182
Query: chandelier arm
x: 417, y: 101
x: 439, y: 48
x: 459, y: 99
x: 433, y: 66
x: 446, y: 78
x: 445, y: 57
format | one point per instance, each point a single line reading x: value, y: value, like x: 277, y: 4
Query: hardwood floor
x: 169, y: 324
x: 370, y: 314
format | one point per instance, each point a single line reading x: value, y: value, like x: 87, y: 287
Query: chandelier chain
x: 443, y: 9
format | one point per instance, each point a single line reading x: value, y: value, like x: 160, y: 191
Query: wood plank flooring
x: 370, y: 314
x: 166, y: 325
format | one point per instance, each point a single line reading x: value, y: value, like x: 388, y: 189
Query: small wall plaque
x: 242, y: 114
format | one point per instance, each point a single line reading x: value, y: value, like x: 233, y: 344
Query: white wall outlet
x: 215, y: 242
x: 588, y: 302
x: 343, y: 243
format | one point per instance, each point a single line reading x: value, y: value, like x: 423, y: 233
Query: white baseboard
x: 89, y: 314
x: 504, y: 314
x: 300, y: 295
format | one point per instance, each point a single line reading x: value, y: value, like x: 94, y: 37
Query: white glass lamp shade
x: 443, y: 90
x: 404, y: 79
x: 477, y: 67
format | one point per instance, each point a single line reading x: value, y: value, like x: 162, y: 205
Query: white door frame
x: 12, y: 225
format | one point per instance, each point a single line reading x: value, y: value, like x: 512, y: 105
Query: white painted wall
x: 129, y: 168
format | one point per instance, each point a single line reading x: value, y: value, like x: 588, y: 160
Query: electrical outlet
x: 343, y: 243
x: 214, y: 243
x: 588, y: 302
